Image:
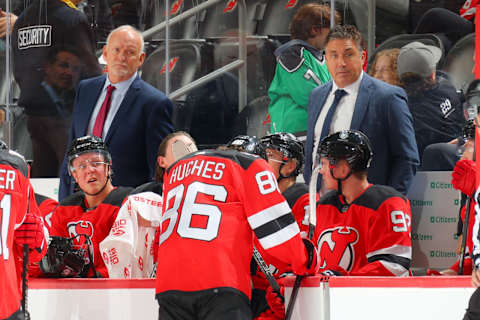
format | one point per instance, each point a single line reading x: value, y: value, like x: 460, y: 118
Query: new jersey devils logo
x: 230, y: 6
x: 290, y: 4
x: 78, y: 228
x: 171, y: 65
x: 176, y: 6
x: 336, y: 247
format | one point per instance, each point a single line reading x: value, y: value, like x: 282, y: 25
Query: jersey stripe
x: 269, y: 214
x: 274, y: 225
x: 398, y: 250
x: 390, y: 258
x: 395, y: 268
x: 279, y: 237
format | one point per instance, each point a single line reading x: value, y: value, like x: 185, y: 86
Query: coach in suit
x: 354, y: 100
x: 131, y: 116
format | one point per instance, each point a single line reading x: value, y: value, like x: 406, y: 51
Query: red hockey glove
x: 276, y: 303
x: 463, y: 176
x: 312, y: 263
x: 31, y: 232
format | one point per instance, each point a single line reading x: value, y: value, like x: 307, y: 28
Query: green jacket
x: 300, y: 68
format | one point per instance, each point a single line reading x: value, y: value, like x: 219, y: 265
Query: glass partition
x: 231, y: 96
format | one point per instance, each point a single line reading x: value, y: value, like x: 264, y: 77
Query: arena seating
x: 459, y: 62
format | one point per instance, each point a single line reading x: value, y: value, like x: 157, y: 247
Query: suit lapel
x: 130, y: 96
x: 361, y: 105
x: 89, y: 104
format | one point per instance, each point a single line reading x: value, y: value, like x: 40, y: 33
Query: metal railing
x: 239, y: 64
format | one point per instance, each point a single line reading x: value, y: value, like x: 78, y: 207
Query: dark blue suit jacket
x: 381, y: 112
x: 141, y: 123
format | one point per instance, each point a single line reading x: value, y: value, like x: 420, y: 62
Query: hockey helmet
x: 87, y: 144
x: 288, y: 145
x: 247, y: 144
x: 350, y: 145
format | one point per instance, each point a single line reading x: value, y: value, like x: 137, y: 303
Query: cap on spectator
x: 418, y: 58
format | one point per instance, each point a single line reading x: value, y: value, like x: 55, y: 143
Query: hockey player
x: 362, y: 229
x: 20, y: 225
x: 212, y: 202
x: 88, y: 215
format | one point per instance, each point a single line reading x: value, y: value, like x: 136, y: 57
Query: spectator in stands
x: 61, y: 25
x: 372, y: 106
x: 131, y: 116
x: 87, y: 215
x: 300, y: 68
x: 435, y: 106
x: 384, y: 67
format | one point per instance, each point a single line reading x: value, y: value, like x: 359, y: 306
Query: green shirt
x: 297, y: 73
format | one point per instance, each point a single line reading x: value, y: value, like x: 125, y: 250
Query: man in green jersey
x: 300, y: 68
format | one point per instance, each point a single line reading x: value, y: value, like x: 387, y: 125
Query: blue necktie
x: 339, y: 94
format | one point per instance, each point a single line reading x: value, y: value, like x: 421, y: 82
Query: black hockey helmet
x: 288, y: 145
x: 350, y: 145
x: 249, y: 144
x: 87, y: 144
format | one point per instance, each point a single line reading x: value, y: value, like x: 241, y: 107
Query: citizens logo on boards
x: 435, y: 219
x: 440, y: 185
x: 421, y: 203
x: 423, y: 237
x: 442, y: 254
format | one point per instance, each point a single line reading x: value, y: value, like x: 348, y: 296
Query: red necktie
x: 102, y: 114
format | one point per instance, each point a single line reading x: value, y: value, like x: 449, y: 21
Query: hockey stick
x: 464, y: 235
x: 25, y: 269
x: 263, y: 266
x: 312, y: 221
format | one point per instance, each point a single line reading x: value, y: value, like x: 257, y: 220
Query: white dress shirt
x: 342, y: 118
x: 118, y: 94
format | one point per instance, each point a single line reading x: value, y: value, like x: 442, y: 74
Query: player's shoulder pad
x: 153, y: 186
x: 374, y: 196
x: 241, y: 158
x: 329, y: 198
x: 294, y: 192
x: 14, y: 160
x: 117, y: 196
x: 75, y: 199
x: 39, y: 198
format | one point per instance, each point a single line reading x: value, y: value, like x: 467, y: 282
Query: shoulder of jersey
x: 75, y: 199
x: 14, y: 161
x: 294, y: 192
x: 117, y: 196
x: 155, y: 187
x: 241, y: 158
x: 374, y: 196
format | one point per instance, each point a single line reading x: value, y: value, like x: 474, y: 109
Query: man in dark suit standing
x: 131, y: 116
x: 354, y: 100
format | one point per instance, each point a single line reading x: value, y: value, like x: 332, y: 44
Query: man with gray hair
x: 433, y: 101
x: 131, y: 116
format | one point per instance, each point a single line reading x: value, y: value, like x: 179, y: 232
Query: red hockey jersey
x: 298, y: 199
x: 73, y: 218
x: 16, y: 198
x: 370, y: 237
x: 212, y: 202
